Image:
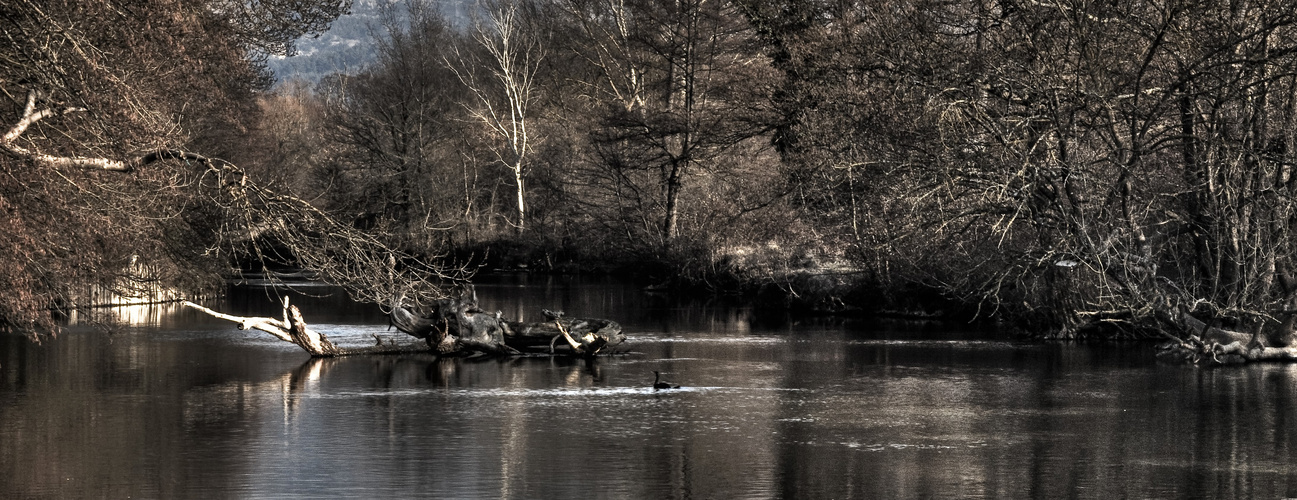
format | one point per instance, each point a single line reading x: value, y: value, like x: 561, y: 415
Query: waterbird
x: 658, y: 384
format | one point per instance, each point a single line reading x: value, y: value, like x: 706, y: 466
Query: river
x: 174, y: 404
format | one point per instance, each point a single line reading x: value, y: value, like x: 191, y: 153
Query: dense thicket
x: 1080, y: 164
x: 1077, y: 165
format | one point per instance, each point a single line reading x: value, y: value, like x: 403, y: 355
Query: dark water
x: 184, y: 406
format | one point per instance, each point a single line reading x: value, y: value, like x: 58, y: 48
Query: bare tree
x: 510, y: 56
x: 1085, y: 166
x: 399, y: 128
x: 603, y: 38
x: 678, y: 90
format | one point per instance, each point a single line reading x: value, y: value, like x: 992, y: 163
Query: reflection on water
x: 131, y: 315
x: 185, y: 406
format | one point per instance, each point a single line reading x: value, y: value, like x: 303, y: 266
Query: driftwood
x: 580, y: 336
x: 448, y: 327
x: 292, y: 329
x: 1214, y: 345
x: 457, y: 325
x: 1272, y: 338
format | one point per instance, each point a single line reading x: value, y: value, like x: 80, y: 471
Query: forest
x: 1072, y: 168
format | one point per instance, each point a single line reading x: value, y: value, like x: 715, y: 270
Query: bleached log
x: 269, y: 325
x: 291, y: 329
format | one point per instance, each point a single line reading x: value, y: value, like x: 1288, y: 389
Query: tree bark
x: 671, y: 222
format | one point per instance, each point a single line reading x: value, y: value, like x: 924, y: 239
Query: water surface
x: 179, y: 405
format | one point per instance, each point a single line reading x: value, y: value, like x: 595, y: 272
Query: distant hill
x: 348, y: 45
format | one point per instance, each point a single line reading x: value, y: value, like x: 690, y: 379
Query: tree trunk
x: 522, y: 207
x: 670, y: 226
x: 450, y: 327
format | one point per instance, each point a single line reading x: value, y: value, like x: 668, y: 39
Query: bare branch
x: 269, y: 325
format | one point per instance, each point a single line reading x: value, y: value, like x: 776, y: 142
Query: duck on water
x: 658, y: 384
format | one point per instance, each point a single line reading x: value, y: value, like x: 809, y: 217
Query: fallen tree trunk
x: 476, y: 331
x: 449, y: 327
x: 293, y: 329
x: 458, y: 325
x: 1213, y: 345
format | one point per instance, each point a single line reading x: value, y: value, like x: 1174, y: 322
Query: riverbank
x: 804, y: 282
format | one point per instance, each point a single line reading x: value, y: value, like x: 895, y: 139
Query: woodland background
x: 1070, y: 167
